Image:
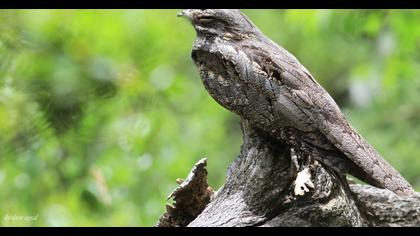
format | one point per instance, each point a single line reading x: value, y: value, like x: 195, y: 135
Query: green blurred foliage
x: 101, y: 110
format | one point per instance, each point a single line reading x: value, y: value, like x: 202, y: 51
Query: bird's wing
x: 330, y: 121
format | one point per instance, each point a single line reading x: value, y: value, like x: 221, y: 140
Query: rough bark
x: 190, y: 198
x: 259, y: 191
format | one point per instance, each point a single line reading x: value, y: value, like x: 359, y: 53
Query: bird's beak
x: 180, y: 14
x: 186, y: 13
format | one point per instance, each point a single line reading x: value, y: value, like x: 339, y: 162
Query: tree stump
x: 260, y: 190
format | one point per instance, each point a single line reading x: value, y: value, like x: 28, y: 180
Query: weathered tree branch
x: 191, y: 197
x: 386, y: 208
x: 259, y: 191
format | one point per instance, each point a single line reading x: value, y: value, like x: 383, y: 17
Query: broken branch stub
x: 190, y: 198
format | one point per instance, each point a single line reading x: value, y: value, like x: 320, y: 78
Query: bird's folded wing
x: 330, y: 121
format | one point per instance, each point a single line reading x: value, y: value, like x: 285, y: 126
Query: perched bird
x: 252, y: 76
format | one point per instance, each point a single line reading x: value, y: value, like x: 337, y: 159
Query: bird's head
x: 218, y: 22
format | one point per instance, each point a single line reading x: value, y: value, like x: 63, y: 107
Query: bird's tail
x: 381, y: 174
x: 365, y: 177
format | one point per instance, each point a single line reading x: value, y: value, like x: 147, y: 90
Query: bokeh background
x: 101, y: 110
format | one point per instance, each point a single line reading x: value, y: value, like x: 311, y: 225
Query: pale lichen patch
x: 303, y: 182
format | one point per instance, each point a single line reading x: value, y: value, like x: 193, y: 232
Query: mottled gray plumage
x: 250, y: 75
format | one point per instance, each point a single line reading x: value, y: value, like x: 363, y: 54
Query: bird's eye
x: 205, y: 19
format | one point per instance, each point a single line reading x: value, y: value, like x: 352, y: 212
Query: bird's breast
x: 238, y: 84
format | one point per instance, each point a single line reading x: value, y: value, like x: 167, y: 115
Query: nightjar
x: 250, y: 75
